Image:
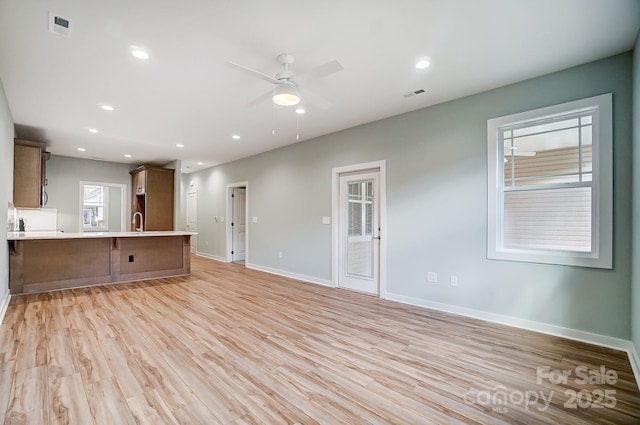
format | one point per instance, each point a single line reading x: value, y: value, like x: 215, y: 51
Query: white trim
x: 211, y: 256
x: 531, y: 325
x: 4, y: 306
x: 634, y: 359
x: 574, y: 334
x: 381, y: 165
x: 194, y: 238
x: 297, y: 276
x: 228, y: 257
x: 123, y: 203
x: 602, y: 200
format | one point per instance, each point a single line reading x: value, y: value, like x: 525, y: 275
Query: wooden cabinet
x: 29, y: 173
x: 153, y: 196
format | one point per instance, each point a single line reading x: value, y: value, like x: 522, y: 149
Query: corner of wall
x: 635, y: 272
x: 7, y: 134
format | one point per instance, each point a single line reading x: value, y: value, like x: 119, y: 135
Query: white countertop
x: 21, y: 236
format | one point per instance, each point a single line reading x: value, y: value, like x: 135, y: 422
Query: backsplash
x: 43, y: 219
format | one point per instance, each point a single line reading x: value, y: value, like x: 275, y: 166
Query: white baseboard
x: 302, y: 277
x: 574, y: 334
x: 634, y: 359
x: 3, y: 307
x: 211, y: 257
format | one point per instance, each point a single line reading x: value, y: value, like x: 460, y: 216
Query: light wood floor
x: 234, y: 346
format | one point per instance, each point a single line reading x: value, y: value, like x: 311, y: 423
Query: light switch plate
x: 255, y: 219
x: 326, y: 220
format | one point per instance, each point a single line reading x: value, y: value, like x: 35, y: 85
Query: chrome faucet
x: 141, y: 228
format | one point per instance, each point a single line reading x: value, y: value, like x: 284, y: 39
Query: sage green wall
x: 6, y: 189
x: 436, y: 205
x: 635, y: 298
x: 64, y: 175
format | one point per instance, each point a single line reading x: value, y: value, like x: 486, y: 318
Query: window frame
x: 105, y: 207
x: 601, y: 255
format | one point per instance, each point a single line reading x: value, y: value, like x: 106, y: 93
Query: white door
x: 359, y: 232
x: 238, y: 223
x: 192, y: 218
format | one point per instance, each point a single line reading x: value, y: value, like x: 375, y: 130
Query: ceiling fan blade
x: 311, y: 98
x: 321, y: 71
x: 258, y: 100
x: 253, y: 72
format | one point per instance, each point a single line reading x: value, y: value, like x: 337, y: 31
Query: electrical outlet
x: 432, y: 277
x: 454, y: 280
x: 279, y: 254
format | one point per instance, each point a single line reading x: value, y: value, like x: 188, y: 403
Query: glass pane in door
x: 360, y: 229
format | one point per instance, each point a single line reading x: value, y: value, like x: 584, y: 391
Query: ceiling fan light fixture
x: 286, y: 95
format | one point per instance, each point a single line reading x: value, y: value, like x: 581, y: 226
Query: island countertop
x: 21, y: 236
x: 45, y: 261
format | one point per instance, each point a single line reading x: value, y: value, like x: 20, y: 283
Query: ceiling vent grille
x: 414, y: 93
x: 59, y: 25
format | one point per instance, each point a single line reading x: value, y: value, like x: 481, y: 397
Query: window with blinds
x: 547, y: 183
x: 360, y: 213
x: 550, y: 184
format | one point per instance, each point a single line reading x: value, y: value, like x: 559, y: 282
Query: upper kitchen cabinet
x: 153, y: 196
x: 29, y: 173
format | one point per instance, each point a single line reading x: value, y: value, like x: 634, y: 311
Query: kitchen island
x: 44, y: 261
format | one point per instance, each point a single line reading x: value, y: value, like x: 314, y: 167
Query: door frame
x: 230, y: 186
x: 380, y: 166
x: 194, y: 238
x: 123, y: 203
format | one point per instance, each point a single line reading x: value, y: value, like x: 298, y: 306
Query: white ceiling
x: 185, y: 94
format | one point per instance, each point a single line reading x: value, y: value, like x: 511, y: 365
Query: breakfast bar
x: 43, y: 261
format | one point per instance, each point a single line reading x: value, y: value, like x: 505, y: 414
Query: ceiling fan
x: 287, y: 84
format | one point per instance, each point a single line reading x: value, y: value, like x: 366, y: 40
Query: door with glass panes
x: 359, y: 229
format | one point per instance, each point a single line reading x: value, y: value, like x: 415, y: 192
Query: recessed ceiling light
x: 179, y: 145
x: 200, y: 163
x: 81, y: 149
x: 423, y: 63
x: 300, y: 110
x: 107, y: 107
x: 126, y: 155
x: 139, y: 53
x: 93, y: 130
x: 235, y: 137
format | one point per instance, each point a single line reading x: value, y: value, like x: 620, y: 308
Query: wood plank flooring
x: 227, y: 345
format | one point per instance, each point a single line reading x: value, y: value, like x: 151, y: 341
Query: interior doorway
x: 102, y: 207
x: 237, y: 229
x: 192, y: 218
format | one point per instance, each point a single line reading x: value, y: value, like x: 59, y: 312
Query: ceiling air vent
x: 58, y: 24
x: 414, y: 93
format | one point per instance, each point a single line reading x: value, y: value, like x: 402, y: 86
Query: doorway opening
x: 237, y: 229
x: 102, y: 207
x: 359, y: 228
x: 192, y: 219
